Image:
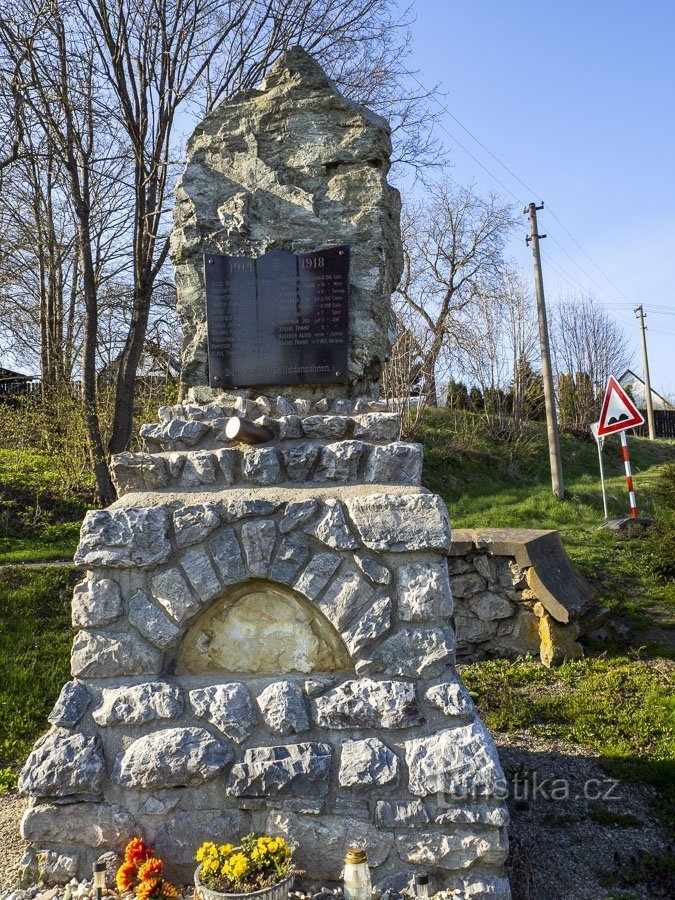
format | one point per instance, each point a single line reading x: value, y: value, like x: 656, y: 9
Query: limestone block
x: 193, y: 523
x: 63, y: 764
x: 283, y: 406
x: 367, y: 764
x: 227, y: 460
x: 423, y: 592
x: 123, y: 538
x: 72, y: 704
x: 258, y: 539
x: 137, y: 472
x: 378, y: 426
x: 467, y: 584
x: 177, y: 434
x: 472, y: 814
x: 371, y: 625
x: 174, y: 464
x: 199, y: 468
x: 327, y: 427
x: 109, y: 654
x: 523, y: 635
x: 228, y: 707
x: 340, y: 462
x: 172, y: 757
x: 153, y: 624
x: 290, y: 427
x: 412, y: 652
x: 301, y: 769
x: 57, y: 868
x: 323, y: 841
x: 471, y: 629
x: 299, y: 461
x: 489, y: 606
x: 345, y: 599
x: 91, y: 824
x: 237, y: 510
x: 139, y: 703
x: 364, y: 703
x: 331, y: 527
x: 261, y: 466
x: 96, y: 601
x: 397, y: 463
x: 485, y: 567
x: 227, y: 556
x: 558, y: 642
x: 350, y: 806
x: 297, y: 514
x: 282, y: 706
x: 319, y: 684
x: 171, y: 590
x: 318, y: 573
x: 462, y: 761
x: 177, y: 836
x: 453, y: 851
x: 510, y: 574
x: 450, y: 696
x: 200, y: 573
x: 374, y: 571
x: 401, y: 523
x: 290, y: 558
x: 400, y: 814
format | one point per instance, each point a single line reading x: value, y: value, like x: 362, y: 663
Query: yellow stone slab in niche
x: 261, y: 628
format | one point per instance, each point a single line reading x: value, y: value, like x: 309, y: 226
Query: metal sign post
x: 629, y: 476
x: 619, y: 413
x: 600, y: 442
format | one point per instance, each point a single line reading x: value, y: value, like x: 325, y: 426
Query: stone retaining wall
x: 517, y: 592
x: 266, y: 643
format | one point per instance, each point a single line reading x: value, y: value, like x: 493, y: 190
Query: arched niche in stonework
x: 261, y: 628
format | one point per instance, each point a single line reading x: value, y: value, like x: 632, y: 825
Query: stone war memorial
x: 265, y: 637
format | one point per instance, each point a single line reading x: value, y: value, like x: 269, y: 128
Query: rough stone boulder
x: 292, y: 166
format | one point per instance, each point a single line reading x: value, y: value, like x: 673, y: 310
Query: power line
x: 516, y: 197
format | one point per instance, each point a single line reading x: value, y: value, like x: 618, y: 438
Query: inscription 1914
x: 281, y: 318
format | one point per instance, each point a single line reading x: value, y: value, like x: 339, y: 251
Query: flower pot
x: 277, y: 891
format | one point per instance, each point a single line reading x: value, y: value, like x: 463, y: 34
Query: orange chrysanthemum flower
x: 169, y: 891
x: 153, y: 868
x: 146, y: 888
x: 126, y: 876
x: 137, y: 851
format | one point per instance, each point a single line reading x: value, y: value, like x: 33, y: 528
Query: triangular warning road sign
x: 618, y: 410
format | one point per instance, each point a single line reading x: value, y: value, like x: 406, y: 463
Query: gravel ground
x: 558, y: 850
x: 11, y: 845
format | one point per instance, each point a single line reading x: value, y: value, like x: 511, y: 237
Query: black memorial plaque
x: 279, y: 319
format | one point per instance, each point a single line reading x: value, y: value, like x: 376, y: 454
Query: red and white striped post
x: 629, y: 475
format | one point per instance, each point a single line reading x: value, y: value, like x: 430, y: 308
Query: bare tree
x: 588, y: 346
x: 453, y: 246
x: 105, y: 82
x: 495, y: 335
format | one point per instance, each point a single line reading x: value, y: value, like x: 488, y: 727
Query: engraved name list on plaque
x: 280, y: 318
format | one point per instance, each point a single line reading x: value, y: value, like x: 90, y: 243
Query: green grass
x: 39, y: 518
x: 622, y: 707
x: 35, y: 641
x: 487, y: 483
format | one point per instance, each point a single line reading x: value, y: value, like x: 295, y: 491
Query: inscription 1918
x: 281, y: 318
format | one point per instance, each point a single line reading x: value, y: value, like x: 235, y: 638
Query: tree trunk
x: 129, y: 360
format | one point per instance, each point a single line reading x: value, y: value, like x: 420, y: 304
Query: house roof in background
x: 629, y: 377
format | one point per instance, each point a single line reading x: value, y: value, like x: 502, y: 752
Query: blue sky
x: 578, y: 100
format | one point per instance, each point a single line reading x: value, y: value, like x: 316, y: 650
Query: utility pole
x: 641, y: 315
x: 546, y: 369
